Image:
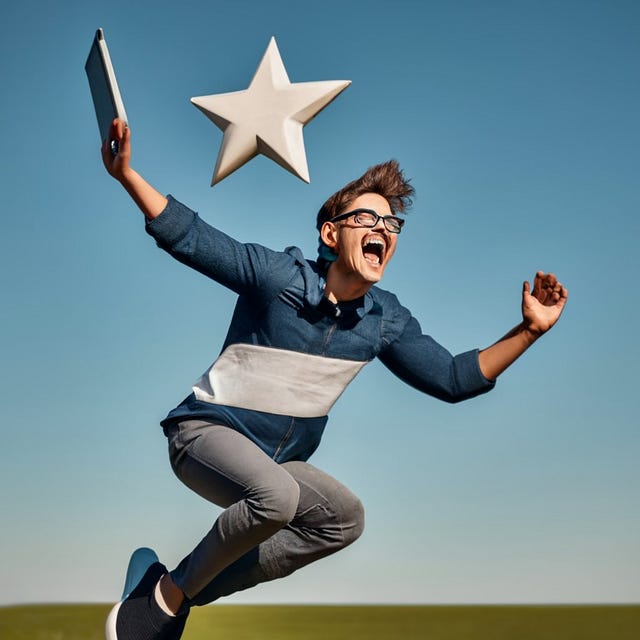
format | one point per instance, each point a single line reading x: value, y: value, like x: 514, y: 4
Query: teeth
x: 374, y: 247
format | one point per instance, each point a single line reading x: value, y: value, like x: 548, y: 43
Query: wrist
x: 529, y: 333
x: 127, y: 177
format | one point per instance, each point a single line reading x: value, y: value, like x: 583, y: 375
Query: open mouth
x: 373, y: 249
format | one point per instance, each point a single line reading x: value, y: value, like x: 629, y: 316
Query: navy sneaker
x: 138, y: 616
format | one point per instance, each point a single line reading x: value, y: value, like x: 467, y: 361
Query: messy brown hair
x: 385, y: 179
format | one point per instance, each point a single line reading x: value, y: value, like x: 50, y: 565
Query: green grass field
x: 244, y: 622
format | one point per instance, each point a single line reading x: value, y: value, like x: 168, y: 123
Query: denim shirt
x: 289, y: 352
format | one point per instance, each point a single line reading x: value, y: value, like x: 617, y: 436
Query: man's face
x: 363, y: 253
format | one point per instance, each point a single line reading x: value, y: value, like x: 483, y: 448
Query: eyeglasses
x: 369, y: 218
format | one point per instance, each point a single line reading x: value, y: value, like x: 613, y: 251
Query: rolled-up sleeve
x: 421, y: 362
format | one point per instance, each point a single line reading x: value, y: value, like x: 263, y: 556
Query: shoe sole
x: 110, y: 624
x: 141, y: 559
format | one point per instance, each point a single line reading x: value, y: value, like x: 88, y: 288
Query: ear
x: 329, y: 235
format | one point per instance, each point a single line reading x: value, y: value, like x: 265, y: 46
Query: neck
x: 342, y: 288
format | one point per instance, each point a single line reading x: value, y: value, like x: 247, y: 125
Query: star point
x: 267, y: 118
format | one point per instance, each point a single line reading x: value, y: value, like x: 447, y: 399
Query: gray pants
x: 277, y: 517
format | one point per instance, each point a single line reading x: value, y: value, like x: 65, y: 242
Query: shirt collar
x: 359, y: 307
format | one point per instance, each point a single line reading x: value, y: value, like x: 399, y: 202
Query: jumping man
x: 300, y: 332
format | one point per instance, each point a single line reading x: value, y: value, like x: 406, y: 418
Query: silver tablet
x: 107, y: 100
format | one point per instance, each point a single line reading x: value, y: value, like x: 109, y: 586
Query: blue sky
x: 518, y: 123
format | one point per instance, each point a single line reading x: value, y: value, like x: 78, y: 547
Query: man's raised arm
x: 151, y: 202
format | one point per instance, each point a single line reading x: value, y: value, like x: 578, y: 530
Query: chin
x: 372, y: 275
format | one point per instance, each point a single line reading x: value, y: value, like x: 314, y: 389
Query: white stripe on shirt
x: 276, y: 380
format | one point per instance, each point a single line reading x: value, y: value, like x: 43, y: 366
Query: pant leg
x: 328, y: 518
x: 226, y: 468
x: 278, y: 517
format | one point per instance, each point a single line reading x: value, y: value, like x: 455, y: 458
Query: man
x: 300, y: 332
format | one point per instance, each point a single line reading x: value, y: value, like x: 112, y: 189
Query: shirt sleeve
x: 421, y: 362
x: 244, y: 268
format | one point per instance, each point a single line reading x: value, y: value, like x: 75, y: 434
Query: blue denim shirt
x: 286, y: 340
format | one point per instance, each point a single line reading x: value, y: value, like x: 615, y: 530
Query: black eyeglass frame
x: 355, y: 212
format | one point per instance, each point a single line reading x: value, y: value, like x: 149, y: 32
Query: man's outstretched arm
x: 151, y: 202
x: 541, y: 309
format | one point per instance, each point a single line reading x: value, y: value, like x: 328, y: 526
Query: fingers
x: 117, y: 165
x: 125, y: 140
x: 538, y: 290
x: 116, y: 131
x: 564, y: 295
x: 107, y: 156
x: 553, y: 289
x: 547, y: 290
x: 549, y: 283
x: 119, y: 132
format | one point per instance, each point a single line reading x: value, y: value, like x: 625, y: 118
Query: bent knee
x: 277, y: 503
x: 352, y: 517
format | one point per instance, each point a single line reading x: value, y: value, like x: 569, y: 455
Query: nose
x: 380, y: 225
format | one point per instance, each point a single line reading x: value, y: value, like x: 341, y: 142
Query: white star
x: 267, y: 117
